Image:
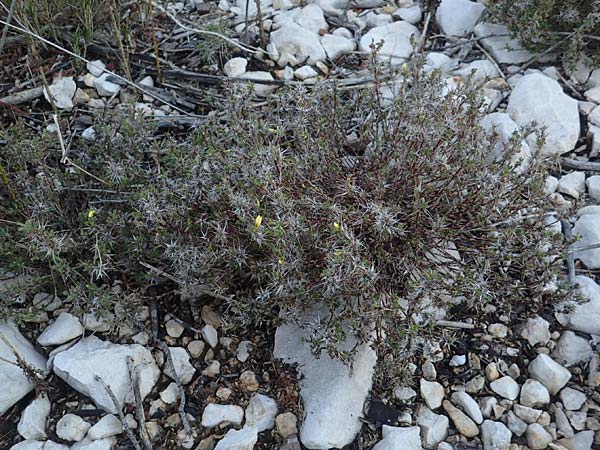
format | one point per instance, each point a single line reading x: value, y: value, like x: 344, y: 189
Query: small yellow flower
x: 91, y: 213
x: 258, y: 221
x: 336, y: 226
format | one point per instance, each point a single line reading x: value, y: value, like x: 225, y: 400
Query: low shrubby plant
x: 567, y: 26
x: 383, y: 212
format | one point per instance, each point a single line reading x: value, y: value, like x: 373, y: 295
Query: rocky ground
x: 78, y: 382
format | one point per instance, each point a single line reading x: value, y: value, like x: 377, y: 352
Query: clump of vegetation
x: 378, y: 210
x: 569, y: 26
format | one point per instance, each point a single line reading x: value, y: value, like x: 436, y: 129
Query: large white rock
x: 434, y: 427
x: 243, y: 439
x: 534, y: 394
x: 458, y: 17
x: 495, y: 436
x: 298, y: 42
x: 537, y: 437
x: 261, y: 412
x: 13, y: 381
x: 549, y: 373
x: 506, y: 387
x: 215, y: 414
x: 104, y: 87
x: 585, y: 314
x: 536, y: 331
x: 336, y: 46
x: 61, y: 93
x: 91, y: 357
x: 33, y: 419
x: 539, y: 99
x: 63, y: 329
x: 333, y: 394
x: 432, y: 392
x: 581, y: 441
x: 71, y: 427
x: 587, y: 228
x: 108, y: 426
x: 183, y: 367
x: 496, y: 39
x: 571, y: 349
x: 399, y: 438
x: 469, y: 405
x: 396, y: 38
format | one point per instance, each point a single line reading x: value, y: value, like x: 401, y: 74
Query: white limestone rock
x: 572, y: 184
x: 593, y: 187
x: 506, y: 387
x: 215, y: 415
x: 95, y: 67
x: 104, y: 87
x: 469, y: 405
x: 302, y: 44
x: 458, y: 17
x: 243, y: 439
x: 534, y: 394
x: 72, y: 428
x: 336, y: 46
x: 536, y: 331
x: 396, y: 39
x: 399, y: 438
x: 461, y: 421
x: 61, y: 93
x: 181, y: 362
x: 537, y: 98
x: 581, y: 441
x: 587, y: 228
x: 259, y: 88
x: 572, y: 349
x: 572, y: 399
x: 14, y: 382
x: 504, y: 129
x: 91, y: 357
x: 333, y: 395
x: 261, y: 412
x: 432, y: 392
x: 495, y: 436
x: 65, y: 328
x: 411, y: 14
x: 235, y: 67
x: 29, y: 445
x: 32, y: 424
x: 548, y: 372
x: 434, y: 427
x: 107, y: 426
x: 537, y: 437
x: 497, y: 40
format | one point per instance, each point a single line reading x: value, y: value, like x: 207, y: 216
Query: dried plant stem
x: 139, y: 406
x: 11, y: 12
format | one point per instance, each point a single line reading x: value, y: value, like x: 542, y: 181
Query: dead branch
x: 580, y: 165
x: 139, y: 406
x: 23, y: 96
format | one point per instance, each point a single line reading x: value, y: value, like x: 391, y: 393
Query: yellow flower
x: 91, y: 213
x: 258, y: 221
x: 336, y: 226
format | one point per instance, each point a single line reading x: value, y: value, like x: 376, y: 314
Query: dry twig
x: 139, y: 406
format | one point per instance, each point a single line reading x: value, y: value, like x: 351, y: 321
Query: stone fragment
x: 434, y: 427
x: 32, y: 424
x: 587, y: 228
x: 243, y: 439
x: 495, y: 436
x: 537, y: 437
x: 181, y: 362
x: 107, y: 426
x: 261, y: 412
x: 61, y: 93
x: 65, y: 328
x: 72, y: 428
x: 549, y: 373
x: 461, y: 421
x: 536, y: 331
x: 505, y: 387
x: 399, y: 438
x: 286, y: 424
x: 458, y: 17
x: 572, y: 399
x: 396, y: 38
x: 534, y: 394
x: 469, y: 405
x: 572, y: 349
x: 432, y: 392
x: 215, y: 415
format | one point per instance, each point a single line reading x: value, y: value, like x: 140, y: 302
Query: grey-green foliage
x: 325, y: 197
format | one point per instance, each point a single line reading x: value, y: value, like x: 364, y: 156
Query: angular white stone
x: 100, y: 444
x: 333, y: 394
x: 412, y: 14
x: 92, y: 357
x: 495, y: 436
x: 104, y: 87
x: 458, y: 17
x: 536, y: 331
x: 432, y: 392
x: 215, y: 414
x: 235, y: 67
x: 260, y: 89
x: 51, y: 445
x: 469, y: 405
x: 398, y: 438
x: 33, y: 419
x: 29, y: 445
x: 549, y: 373
x: 65, y: 328
x: 305, y: 72
x: 497, y: 40
x: 72, y: 428
x: 396, y: 39
x: 572, y: 399
x: 261, y: 412
x: 336, y: 46
x: 61, y: 91
x: 572, y: 184
x: 461, y: 421
x: 534, y: 394
x: 170, y: 394
x: 505, y: 387
x: 14, y: 382
x: 181, y: 362
x: 304, y: 45
x: 243, y: 439
x: 107, y: 426
x: 434, y: 427
x: 593, y: 187
x: 537, y: 98
x: 587, y: 228
x: 537, y: 437
x: 96, y: 67
x: 571, y: 349
x: 581, y: 441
